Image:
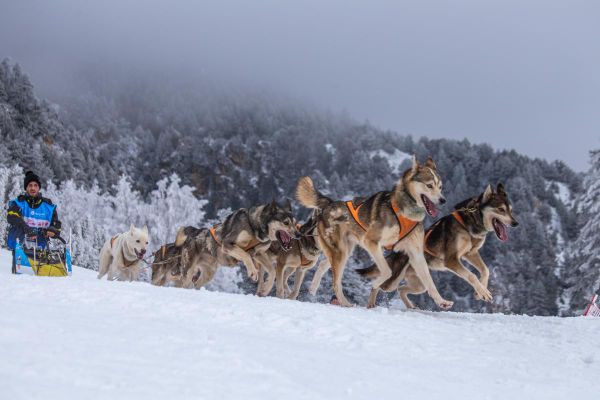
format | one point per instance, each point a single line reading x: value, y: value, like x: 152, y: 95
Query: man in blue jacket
x: 31, y: 215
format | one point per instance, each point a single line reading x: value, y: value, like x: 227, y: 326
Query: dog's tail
x: 181, y: 237
x: 397, y: 262
x: 184, y: 233
x: 309, y: 196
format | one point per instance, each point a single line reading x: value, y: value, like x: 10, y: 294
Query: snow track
x: 80, y: 338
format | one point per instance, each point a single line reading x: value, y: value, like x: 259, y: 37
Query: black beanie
x: 31, y: 177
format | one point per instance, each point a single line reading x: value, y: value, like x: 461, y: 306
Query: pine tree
x: 583, y: 256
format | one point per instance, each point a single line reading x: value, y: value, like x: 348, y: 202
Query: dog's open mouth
x: 429, y: 206
x: 138, y: 254
x: 285, y: 240
x: 500, y: 230
x: 196, y: 276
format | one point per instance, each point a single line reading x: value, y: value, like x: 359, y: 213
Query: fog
x: 514, y: 74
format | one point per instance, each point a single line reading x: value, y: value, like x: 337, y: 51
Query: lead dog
x: 456, y: 237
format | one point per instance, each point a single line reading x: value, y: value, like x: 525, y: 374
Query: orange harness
x: 406, y: 225
x: 458, y: 219
x: 250, y: 245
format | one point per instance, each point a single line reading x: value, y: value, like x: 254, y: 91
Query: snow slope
x: 80, y: 338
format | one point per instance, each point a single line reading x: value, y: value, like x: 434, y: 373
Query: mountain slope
x: 79, y: 337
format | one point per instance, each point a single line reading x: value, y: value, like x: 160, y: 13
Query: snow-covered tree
x: 172, y: 206
x: 11, y: 184
x: 583, y: 279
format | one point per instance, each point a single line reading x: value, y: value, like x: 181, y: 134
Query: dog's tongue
x: 500, y: 229
x: 284, y: 237
x: 429, y: 206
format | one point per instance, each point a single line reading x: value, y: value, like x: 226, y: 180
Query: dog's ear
x: 145, y: 229
x: 287, y: 205
x: 500, y: 189
x: 487, y: 194
x: 415, y: 164
x: 429, y: 163
x: 131, y: 228
x: 273, y: 205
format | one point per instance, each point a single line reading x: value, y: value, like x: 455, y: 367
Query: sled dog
x: 166, y: 267
x: 455, y: 238
x: 302, y: 256
x: 244, y: 236
x: 392, y: 219
x: 248, y: 233
x: 120, y: 257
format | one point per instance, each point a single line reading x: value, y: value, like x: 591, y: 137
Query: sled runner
x: 53, y: 260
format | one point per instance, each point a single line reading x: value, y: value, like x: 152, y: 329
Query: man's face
x: 33, y: 189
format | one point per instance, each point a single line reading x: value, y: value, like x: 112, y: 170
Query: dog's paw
x: 484, y: 294
x: 445, y: 304
x: 253, y: 275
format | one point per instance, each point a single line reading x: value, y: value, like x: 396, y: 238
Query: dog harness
x: 250, y: 246
x: 127, y: 263
x: 458, y: 219
x: 406, y: 225
x: 303, y: 260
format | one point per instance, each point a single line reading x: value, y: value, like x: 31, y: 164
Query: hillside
x: 241, y: 149
x: 83, y: 338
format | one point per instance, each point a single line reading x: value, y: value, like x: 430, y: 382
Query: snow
x: 77, y: 337
x: 330, y: 148
x: 564, y: 193
x: 394, y: 160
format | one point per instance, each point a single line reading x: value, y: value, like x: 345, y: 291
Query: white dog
x: 121, y: 255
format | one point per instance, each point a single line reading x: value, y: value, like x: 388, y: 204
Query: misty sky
x: 515, y: 74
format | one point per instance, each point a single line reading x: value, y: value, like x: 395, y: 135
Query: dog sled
x: 592, y: 309
x: 52, y: 260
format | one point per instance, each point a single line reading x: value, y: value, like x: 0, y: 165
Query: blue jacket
x: 30, y: 213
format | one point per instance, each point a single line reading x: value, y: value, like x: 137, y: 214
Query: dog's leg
x: 418, y: 262
x: 265, y: 264
x: 475, y: 260
x: 281, y: 278
x: 240, y: 254
x: 206, y: 275
x: 298, y: 280
x: 105, y: 261
x: 374, y: 250
x: 316, y: 282
x: 191, y: 269
x: 286, y: 277
x: 261, y: 280
x: 112, y: 271
x: 157, y: 275
x: 453, y: 264
x: 413, y: 286
x: 338, y: 264
x: 373, y: 298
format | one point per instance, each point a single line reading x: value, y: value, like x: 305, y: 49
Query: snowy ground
x: 80, y: 338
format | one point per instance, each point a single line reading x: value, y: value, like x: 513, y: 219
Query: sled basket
x: 42, y: 262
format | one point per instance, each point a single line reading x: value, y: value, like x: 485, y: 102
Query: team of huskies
x: 272, y: 246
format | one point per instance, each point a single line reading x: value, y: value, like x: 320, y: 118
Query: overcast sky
x: 515, y: 74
